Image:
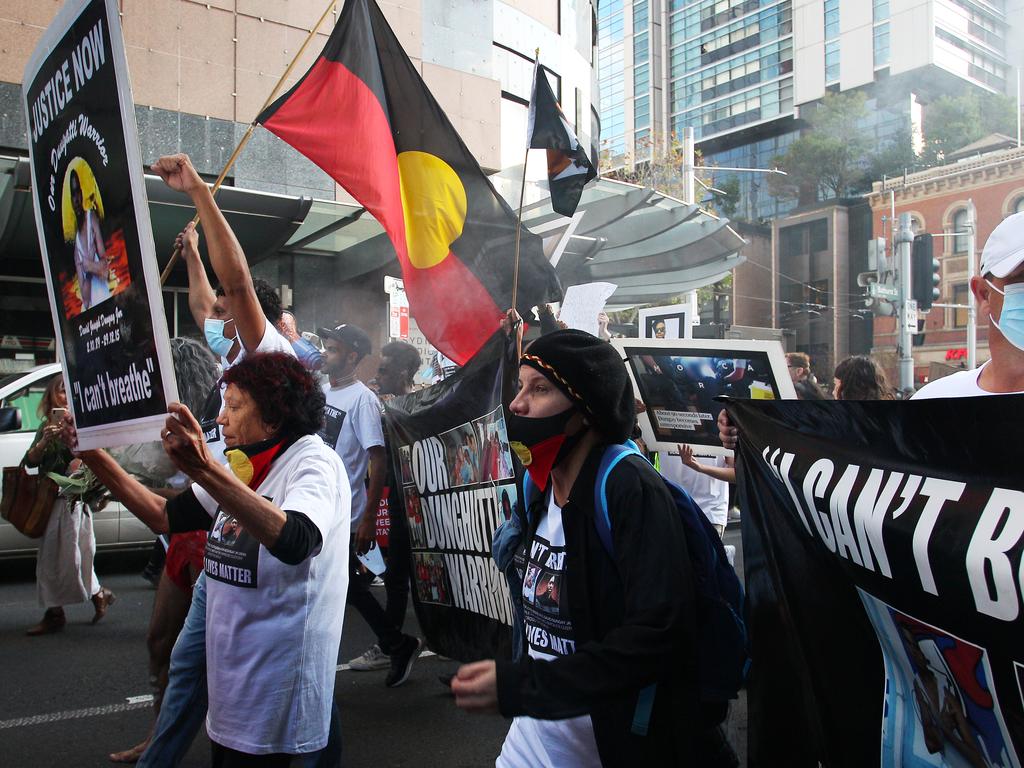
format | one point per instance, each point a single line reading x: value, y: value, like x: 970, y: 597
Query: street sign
x: 910, y: 315
x: 883, y: 291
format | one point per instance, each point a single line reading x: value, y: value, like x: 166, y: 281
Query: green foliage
x: 952, y: 122
x: 893, y: 158
x: 727, y: 203
x: 827, y: 160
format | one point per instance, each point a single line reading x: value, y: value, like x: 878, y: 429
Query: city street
x: 71, y: 698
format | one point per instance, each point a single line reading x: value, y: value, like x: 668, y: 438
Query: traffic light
x: 925, y: 275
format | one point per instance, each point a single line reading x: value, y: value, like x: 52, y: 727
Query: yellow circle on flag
x: 434, y: 202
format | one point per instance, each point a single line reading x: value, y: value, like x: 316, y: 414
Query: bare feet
x: 130, y: 755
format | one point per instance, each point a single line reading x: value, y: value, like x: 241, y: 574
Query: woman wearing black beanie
x: 608, y: 674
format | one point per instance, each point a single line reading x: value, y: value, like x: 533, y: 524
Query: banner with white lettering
x: 95, y: 236
x: 457, y: 482
x: 882, y: 549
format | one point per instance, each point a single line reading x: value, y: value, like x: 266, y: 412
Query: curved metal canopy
x: 649, y: 244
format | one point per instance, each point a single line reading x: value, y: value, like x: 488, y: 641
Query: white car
x: 20, y: 393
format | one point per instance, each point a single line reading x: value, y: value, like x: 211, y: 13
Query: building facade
x: 742, y: 73
x: 937, y: 200
x: 201, y: 71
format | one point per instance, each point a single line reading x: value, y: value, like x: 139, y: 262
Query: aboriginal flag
x: 364, y: 115
x: 569, y: 169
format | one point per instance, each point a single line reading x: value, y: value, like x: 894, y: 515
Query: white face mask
x: 1011, y: 316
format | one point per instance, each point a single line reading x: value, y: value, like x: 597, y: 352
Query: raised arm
x: 200, y: 293
x: 226, y: 256
x: 139, y: 500
x: 184, y: 442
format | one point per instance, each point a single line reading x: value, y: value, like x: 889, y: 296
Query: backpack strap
x: 612, y: 456
x: 602, y: 521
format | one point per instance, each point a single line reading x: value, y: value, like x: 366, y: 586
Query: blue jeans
x: 183, y: 710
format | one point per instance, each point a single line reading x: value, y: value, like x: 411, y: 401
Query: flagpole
x: 519, y: 221
x: 252, y: 127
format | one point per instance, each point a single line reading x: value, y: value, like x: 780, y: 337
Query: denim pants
x: 183, y: 710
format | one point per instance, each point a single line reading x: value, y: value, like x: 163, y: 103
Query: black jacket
x: 633, y: 620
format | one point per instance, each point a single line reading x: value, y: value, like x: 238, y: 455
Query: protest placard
x: 94, y: 230
x: 882, y: 543
x: 457, y: 482
x: 679, y: 379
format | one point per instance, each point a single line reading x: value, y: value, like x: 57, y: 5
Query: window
x: 831, y: 19
x: 960, y: 230
x: 1018, y: 206
x: 880, y: 10
x: 831, y: 61
x: 27, y: 401
x: 960, y: 297
x: 881, y: 44
x: 818, y: 235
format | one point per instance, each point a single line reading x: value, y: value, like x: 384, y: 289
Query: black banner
x: 882, y: 549
x: 457, y: 482
x: 94, y: 230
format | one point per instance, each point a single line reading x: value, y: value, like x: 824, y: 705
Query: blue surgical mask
x: 214, y: 331
x: 1011, y: 316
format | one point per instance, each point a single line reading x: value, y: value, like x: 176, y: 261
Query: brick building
x: 937, y: 200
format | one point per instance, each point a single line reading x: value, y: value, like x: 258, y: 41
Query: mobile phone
x: 57, y: 413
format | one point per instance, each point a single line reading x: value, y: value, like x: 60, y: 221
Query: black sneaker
x: 402, y: 661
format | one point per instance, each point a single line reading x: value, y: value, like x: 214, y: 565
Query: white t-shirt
x: 710, y: 493
x: 959, y: 384
x: 549, y: 633
x: 273, y: 629
x: 272, y: 341
x: 351, y: 427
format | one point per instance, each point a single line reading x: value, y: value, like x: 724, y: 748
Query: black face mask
x: 542, y: 443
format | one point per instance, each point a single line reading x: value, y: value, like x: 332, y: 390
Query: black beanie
x: 591, y: 374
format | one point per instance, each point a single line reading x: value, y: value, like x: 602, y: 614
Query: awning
x: 651, y: 245
x: 265, y: 224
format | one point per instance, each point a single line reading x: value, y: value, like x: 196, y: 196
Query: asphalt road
x: 70, y: 698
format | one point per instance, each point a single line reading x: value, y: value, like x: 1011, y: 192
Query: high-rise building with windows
x: 741, y: 72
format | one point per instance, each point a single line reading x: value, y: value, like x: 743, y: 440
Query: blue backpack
x: 721, y: 636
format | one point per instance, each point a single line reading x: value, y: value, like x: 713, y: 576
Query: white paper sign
x: 583, y: 303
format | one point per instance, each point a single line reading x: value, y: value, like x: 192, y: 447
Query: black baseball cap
x: 354, y: 337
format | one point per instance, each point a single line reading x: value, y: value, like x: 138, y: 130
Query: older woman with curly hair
x: 276, y: 556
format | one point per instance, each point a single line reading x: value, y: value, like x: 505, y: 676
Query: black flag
x: 569, y: 168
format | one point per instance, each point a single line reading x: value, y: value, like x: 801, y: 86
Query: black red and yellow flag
x: 364, y: 115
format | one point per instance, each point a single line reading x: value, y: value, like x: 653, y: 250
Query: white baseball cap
x: 1004, y: 250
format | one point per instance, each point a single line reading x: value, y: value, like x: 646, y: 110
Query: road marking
x: 72, y: 714
x: 130, y: 703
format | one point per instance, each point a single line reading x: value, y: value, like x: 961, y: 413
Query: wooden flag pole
x: 519, y: 226
x: 252, y: 127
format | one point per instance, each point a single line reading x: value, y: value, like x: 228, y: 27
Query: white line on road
x: 131, y: 703
x: 71, y: 714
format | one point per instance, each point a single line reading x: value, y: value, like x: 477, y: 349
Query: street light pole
x: 972, y: 312
x: 689, y: 171
x: 904, y: 241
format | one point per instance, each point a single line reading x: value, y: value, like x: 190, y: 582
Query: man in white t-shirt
x: 999, y: 292
x: 352, y: 426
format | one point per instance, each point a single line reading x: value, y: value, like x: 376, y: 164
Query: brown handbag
x: 27, y: 500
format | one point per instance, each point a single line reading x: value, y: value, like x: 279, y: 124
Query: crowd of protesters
x: 275, y: 466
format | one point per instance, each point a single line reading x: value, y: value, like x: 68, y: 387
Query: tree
x: 953, y: 122
x: 727, y: 200
x: 658, y: 163
x: 893, y: 158
x: 828, y: 158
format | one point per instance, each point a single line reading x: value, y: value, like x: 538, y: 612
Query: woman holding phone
x: 64, y: 564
